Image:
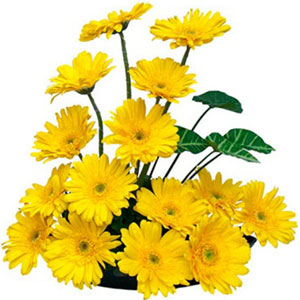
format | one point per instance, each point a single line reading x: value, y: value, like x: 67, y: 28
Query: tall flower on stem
x: 196, y: 29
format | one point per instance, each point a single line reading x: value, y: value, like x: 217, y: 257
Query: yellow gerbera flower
x: 27, y: 239
x: 48, y: 200
x: 168, y: 204
x: 142, y: 137
x: 196, y: 29
x: 115, y: 22
x: 265, y: 215
x: 81, y: 76
x: 221, y: 198
x: 68, y: 138
x: 158, y: 261
x: 163, y: 78
x: 99, y: 189
x: 217, y: 255
x: 78, y: 250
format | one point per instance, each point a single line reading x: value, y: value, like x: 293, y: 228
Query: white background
x: 257, y: 62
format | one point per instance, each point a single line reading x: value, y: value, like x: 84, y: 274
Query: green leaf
x: 216, y: 99
x: 249, y: 140
x: 221, y: 144
x: 190, y: 141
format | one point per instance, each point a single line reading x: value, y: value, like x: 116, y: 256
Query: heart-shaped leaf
x: 221, y: 144
x: 217, y: 99
x: 190, y: 141
x: 249, y: 140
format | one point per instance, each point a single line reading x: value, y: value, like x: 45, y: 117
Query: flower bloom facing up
x: 163, y: 78
x: 115, y: 22
x: 171, y: 204
x: 196, y: 29
x: 48, y: 200
x: 78, y: 250
x: 265, y: 215
x: 142, y: 137
x: 222, y: 198
x: 99, y: 189
x: 157, y: 261
x: 68, y: 138
x: 218, y: 254
x: 82, y: 76
x: 28, y: 238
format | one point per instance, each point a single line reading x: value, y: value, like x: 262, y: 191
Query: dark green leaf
x: 249, y: 140
x: 190, y: 141
x: 216, y: 99
x: 221, y: 144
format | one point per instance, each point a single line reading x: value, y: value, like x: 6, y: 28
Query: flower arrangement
x: 111, y: 222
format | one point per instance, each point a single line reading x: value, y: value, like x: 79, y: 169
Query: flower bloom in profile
x: 217, y: 255
x: 79, y: 250
x: 168, y: 204
x: 82, y: 76
x: 48, y: 200
x: 157, y: 261
x: 68, y: 138
x: 163, y: 78
x: 115, y: 22
x: 265, y: 215
x: 222, y: 198
x: 99, y: 189
x: 196, y: 29
x: 142, y: 137
x: 28, y: 238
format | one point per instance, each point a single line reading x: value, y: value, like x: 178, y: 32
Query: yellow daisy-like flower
x: 196, y: 29
x: 27, y: 239
x: 222, y: 198
x: 48, y: 200
x: 82, y: 76
x: 115, y: 22
x: 171, y: 204
x: 163, y: 78
x: 68, y: 138
x: 265, y: 215
x: 79, y: 250
x: 158, y: 261
x: 99, y: 189
x: 142, y: 137
x: 218, y: 254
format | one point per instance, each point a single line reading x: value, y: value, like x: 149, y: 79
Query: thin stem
x: 200, y: 162
x: 126, y: 64
x: 80, y: 156
x: 153, y: 168
x: 137, y: 169
x: 100, y: 123
x: 185, y: 56
x: 167, y: 106
x: 178, y: 155
x: 143, y: 175
x: 210, y: 161
x: 157, y: 100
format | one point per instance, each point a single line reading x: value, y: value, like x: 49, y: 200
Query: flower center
x: 191, y: 32
x: 139, y: 136
x: 171, y: 212
x: 100, y: 188
x: 84, y: 246
x: 261, y: 216
x: 208, y: 255
x: 160, y: 85
x: 35, y: 236
x: 70, y: 141
x: 154, y: 259
x: 217, y: 196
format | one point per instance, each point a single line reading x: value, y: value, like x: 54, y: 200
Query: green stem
x: 100, y: 123
x: 126, y: 64
x: 137, y: 169
x: 185, y: 56
x: 178, y: 155
x: 210, y: 161
x: 157, y: 100
x: 143, y: 175
x: 200, y: 162
x: 80, y: 156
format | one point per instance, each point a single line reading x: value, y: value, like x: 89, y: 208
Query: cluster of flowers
x: 180, y: 231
